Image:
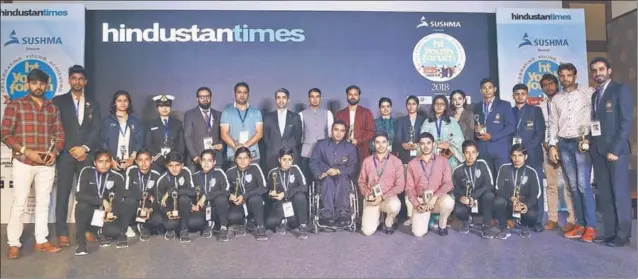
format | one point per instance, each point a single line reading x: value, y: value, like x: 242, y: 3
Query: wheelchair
x: 314, y: 205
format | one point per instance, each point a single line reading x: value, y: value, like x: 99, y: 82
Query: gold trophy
x: 470, y: 200
x: 517, y: 205
x: 447, y: 153
x: 52, y: 142
x: 584, y: 146
x: 198, y: 193
x: 273, y: 192
x: 370, y: 197
x: 237, y: 185
x: 109, y: 216
x: 427, y: 196
x: 477, y: 122
x: 143, y: 212
x: 174, y: 213
x: 351, y: 132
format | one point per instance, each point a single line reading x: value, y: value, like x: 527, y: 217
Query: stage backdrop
x: 534, y: 42
x: 389, y: 54
x: 49, y: 37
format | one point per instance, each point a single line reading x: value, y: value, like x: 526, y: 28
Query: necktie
x: 165, y: 122
x: 599, y: 96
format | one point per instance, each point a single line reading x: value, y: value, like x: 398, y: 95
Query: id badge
x: 208, y: 213
x: 288, y: 210
x: 243, y: 137
x: 517, y: 140
x: 547, y: 133
x: 165, y: 150
x: 516, y: 215
x: 475, y: 207
x: 376, y: 190
x: 142, y: 212
x: 595, y: 129
x: 175, y: 213
x: 413, y: 152
x: 98, y: 218
x: 208, y: 143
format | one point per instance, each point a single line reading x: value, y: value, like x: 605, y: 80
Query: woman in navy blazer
x: 121, y: 133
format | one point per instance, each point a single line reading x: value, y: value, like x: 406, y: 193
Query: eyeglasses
x: 204, y: 97
x: 439, y: 104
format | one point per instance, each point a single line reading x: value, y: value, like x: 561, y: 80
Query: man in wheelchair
x: 332, y: 163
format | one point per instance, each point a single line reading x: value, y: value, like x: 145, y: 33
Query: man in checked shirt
x: 32, y: 129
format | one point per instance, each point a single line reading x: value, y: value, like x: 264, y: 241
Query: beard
x: 353, y: 102
x: 204, y: 106
x: 37, y: 94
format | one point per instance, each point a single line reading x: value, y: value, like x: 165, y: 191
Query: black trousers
x: 503, y: 209
x: 255, y: 206
x: 84, y: 214
x: 184, y: 206
x: 67, y: 168
x: 300, y: 208
x: 485, y: 207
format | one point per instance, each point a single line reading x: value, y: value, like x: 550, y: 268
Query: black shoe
x: 388, y: 230
x: 281, y: 229
x: 327, y: 222
x: 486, y: 232
x: 121, y: 241
x: 465, y: 227
x: 504, y: 234
x: 303, y: 232
x: 169, y: 235
x: 184, y: 237
x: 604, y: 240
x: 145, y: 235
x: 81, y: 250
x: 618, y: 242
x: 223, y: 234
x: 525, y: 232
x: 443, y: 232
x: 240, y: 230
x: 207, y: 232
x: 261, y: 233
x: 344, y: 221
x: 538, y: 228
x: 103, y: 241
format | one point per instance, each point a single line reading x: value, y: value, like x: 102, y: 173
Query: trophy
x: 584, y: 146
x: 447, y: 153
x: 237, y: 185
x: 412, y: 134
x: 517, y: 205
x: 143, y: 212
x: 351, y: 132
x: 477, y: 121
x: 198, y: 193
x: 274, y: 185
x: 110, y: 217
x: 122, y: 154
x: 174, y: 213
x: 427, y: 196
x: 470, y: 200
x: 45, y: 157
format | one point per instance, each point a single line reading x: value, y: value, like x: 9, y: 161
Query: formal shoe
x: 465, y: 227
x: 207, y: 232
x: 525, y: 232
x: 618, y: 242
x: 604, y: 239
x: 344, y: 221
x: 90, y: 238
x: 443, y: 232
x: 145, y: 235
x: 14, y: 252
x: 104, y: 241
x: 487, y: 233
x: 576, y: 232
x: 568, y: 227
x: 46, y: 247
x: 281, y: 229
x: 121, y: 241
x: 538, y: 228
x: 503, y: 234
x: 550, y: 225
x: 63, y: 241
x: 388, y: 230
x: 169, y: 235
x: 303, y: 232
x: 589, y: 235
x: 260, y: 235
x: 184, y: 236
x: 81, y: 250
x: 223, y: 234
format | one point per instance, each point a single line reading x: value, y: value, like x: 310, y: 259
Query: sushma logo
x: 531, y: 73
x: 439, y: 57
x: 14, y: 77
x: 237, y: 34
x: 32, y: 42
x: 543, y: 44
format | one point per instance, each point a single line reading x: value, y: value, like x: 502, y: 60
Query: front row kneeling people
x: 142, y: 194
x: 213, y: 204
x: 176, y: 191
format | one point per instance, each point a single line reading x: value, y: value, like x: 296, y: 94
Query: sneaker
x: 465, y: 227
x: 443, y: 232
x: 407, y: 223
x: 303, y: 232
x: 223, y: 234
x: 207, y: 232
x: 261, y: 233
x: 145, y: 235
x: 121, y: 241
x: 240, y: 230
x: 169, y: 235
x: 130, y: 233
x: 103, y: 241
x: 81, y: 250
x: 486, y: 232
x: 281, y: 229
x: 184, y: 237
x: 503, y: 234
x: 525, y: 232
x: 576, y: 232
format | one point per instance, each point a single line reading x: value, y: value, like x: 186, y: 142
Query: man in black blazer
x: 164, y: 134
x: 201, y: 130
x: 282, y: 128
x: 81, y: 118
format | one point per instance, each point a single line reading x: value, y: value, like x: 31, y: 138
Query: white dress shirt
x: 281, y: 118
x: 79, y: 107
x: 570, y: 112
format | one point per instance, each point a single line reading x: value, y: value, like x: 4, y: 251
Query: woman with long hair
x: 121, y: 133
x: 446, y: 130
x: 462, y: 113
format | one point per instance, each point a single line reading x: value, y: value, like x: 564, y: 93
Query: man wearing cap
x: 165, y: 133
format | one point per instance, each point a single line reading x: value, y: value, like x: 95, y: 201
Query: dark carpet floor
x: 340, y: 254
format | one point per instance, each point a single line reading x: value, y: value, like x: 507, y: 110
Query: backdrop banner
x: 392, y: 54
x: 534, y: 42
x: 49, y: 37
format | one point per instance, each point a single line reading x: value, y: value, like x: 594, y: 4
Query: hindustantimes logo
x: 539, y: 16
x: 237, y: 34
x: 31, y: 12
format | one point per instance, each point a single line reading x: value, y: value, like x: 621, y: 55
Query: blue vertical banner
x: 533, y: 42
x: 49, y: 37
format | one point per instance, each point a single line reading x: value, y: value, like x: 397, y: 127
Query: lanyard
x: 174, y: 180
x: 100, y: 186
x: 204, y: 180
x: 428, y: 174
x: 487, y: 109
x: 140, y: 178
x: 119, y: 127
x: 284, y: 181
x: 207, y: 117
x: 242, y: 182
x: 515, y: 177
x: 470, y: 175
x: 521, y: 114
x: 439, y: 125
x: 166, y: 130
x: 385, y: 163
x: 242, y: 118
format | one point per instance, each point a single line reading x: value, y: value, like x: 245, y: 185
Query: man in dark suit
x: 164, y: 134
x: 282, y: 128
x: 612, y: 111
x: 201, y: 129
x: 496, y: 126
x: 81, y: 118
x: 530, y: 132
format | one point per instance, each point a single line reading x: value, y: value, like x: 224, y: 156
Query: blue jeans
x: 577, y: 168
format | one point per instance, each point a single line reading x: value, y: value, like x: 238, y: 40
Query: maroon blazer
x: 363, y: 130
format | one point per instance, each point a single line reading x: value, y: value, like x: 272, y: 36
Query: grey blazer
x: 196, y: 129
